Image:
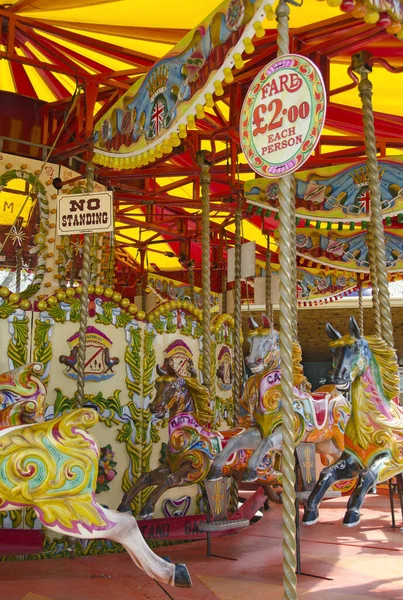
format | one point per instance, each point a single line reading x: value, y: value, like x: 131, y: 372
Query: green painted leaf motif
x: 7, y: 310
x: 57, y: 313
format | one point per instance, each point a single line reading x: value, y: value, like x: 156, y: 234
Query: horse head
x: 351, y: 355
x: 169, y: 391
x: 264, y: 344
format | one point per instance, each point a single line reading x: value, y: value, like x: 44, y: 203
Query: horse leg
x: 123, y: 529
x: 154, y: 477
x: 366, y: 480
x: 346, y: 467
x: 176, y: 479
x: 267, y: 444
x: 328, y: 448
x: 248, y: 440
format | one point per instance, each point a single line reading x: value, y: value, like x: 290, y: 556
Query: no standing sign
x: 85, y: 213
x: 282, y: 116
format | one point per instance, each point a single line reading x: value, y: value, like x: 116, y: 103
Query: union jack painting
x: 157, y: 116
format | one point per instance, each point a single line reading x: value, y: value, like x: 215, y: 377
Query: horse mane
x: 201, y: 398
x: 297, y: 368
x: 385, y: 357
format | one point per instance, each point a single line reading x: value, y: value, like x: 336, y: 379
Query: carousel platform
x: 338, y: 564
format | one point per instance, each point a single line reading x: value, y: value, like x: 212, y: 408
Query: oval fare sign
x: 282, y: 116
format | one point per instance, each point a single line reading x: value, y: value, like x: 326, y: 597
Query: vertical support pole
x: 294, y: 261
x: 237, y: 387
x: 269, y: 303
x: 360, y: 309
x: 205, y: 235
x: 361, y: 65
x: 85, y: 281
x: 287, y: 293
x: 191, y: 274
x: 224, y: 291
x: 374, y: 282
x: 18, y: 269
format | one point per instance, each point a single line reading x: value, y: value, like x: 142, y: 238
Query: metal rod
x: 287, y: 293
x: 361, y: 66
x: 237, y: 387
x: 206, y: 286
x: 85, y: 281
x: 269, y: 303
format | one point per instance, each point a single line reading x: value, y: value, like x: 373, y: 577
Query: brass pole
x: 294, y: 262
x: 206, y: 288
x: 374, y: 282
x: 360, y: 309
x: 18, y: 268
x: 361, y: 66
x: 287, y: 293
x: 224, y: 292
x: 191, y: 274
x: 85, y: 281
x: 238, y: 358
x: 269, y: 303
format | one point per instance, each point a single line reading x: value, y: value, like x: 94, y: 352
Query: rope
x: 205, y: 236
x: 365, y: 90
x: 238, y: 358
x: 85, y: 281
x: 287, y: 293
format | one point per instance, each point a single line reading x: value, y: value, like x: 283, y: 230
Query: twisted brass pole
x: 18, y: 269
x: 205, y: 235
x: 361, y: 66
x: 294, y: 261
x: 191, y: 274
x: 224, y: 293
x: 85, y: 281
x: 237, y: 387
x: 374, y: 282
x: 360, y: 309
x: 269, y: 303
x: 287, y: 293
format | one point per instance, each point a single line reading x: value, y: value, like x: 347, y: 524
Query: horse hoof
x: 146, y: 514
x: 250, y: 475
x: 167, y: 559
x: 310, y: 517
x: 351, y: 518
x: 182, y: 577
x: 123, y: 508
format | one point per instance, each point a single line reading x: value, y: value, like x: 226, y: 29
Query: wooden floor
x: 349, y: 564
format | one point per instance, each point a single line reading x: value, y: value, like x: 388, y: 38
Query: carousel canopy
x: 101, y: 52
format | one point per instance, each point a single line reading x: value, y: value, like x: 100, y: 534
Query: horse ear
x: 332, y: 332
x: 266, y: 322
x: 354, y: 329
x: 252, y: 323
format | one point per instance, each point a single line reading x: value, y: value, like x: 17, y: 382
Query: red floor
x: 360, y: 563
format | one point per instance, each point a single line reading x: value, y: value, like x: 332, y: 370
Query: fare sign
x: 282, y: 116
x: 85, y: 213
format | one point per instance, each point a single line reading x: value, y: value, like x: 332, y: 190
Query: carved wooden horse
x: 374, y: 434
x: 320, y: 418
x: 192, y: 446
x: 52, y: 466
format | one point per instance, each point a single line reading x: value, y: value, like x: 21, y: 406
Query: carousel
x: 183, y: 195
